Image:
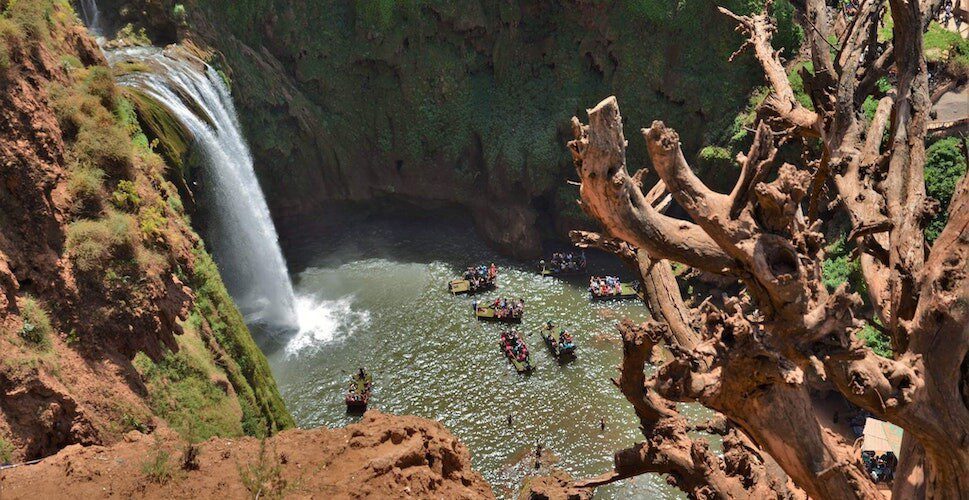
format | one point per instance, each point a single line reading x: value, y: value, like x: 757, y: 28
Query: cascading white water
x: 88, y: 9
x: 241, y: 232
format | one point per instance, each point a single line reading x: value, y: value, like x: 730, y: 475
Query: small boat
x: 625, y: 291
x: 358, y: 393
x: 475, y: 280
x: 556, y: 267
x: 549, y: 272
x: 488, y: 312
x: 559, y: 341
x: 516, y: 351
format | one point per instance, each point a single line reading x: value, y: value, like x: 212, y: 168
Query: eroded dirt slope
x: 383, y: 456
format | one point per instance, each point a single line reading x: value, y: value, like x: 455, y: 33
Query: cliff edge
x: 383, y: 456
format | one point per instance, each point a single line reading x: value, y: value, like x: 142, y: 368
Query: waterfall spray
x: 241, y: 232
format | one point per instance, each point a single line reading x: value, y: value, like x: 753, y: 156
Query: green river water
x: 379, y: 284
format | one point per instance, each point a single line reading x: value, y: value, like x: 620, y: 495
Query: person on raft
x: 481, y: 276
x: 568, y: 261
x: 605, y: 285
x: 505, y: 308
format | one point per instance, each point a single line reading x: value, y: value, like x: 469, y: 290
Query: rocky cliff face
x: 381, y: 457
x: 113, y: 316
x: 466, y: 103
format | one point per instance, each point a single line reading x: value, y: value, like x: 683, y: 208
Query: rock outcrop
x: 383, y: 456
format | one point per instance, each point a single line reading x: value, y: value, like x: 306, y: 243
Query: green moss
x: 945, y: 165
x: 173, y: 140
x: 182, y: 393
x: 248, y: 371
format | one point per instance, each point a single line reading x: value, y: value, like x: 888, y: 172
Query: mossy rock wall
x: 462, y: 101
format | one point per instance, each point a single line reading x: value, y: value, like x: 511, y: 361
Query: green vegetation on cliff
x: 117, y: 257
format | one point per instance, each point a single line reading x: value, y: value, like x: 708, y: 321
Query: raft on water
x: 548, y: 272
x: 518, y: 357
x: 358, y: 394
x: 559, y: 341
x: 488, y: 313
x: 459, y: 286
x: 475, y: 279
x: 626, y: 291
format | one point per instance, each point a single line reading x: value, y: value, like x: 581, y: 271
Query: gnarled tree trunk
x: 768, y: 358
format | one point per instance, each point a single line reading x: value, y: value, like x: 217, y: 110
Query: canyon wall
x: 113, y: 316
x: 456, y: 103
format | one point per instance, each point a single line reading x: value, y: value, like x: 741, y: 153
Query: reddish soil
x: 383, y: 456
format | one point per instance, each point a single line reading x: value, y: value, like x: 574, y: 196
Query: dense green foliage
x: 484, y: 88
x: 877, y: 340
x: 945, y: 165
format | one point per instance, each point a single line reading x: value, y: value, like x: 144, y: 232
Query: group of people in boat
x: 565, y: 341
x: 565, y: 262
x: 360, y: 385
x: 605, y: 285
x: 481, y: 276
x: 514, y: 346
x: 505, y: 308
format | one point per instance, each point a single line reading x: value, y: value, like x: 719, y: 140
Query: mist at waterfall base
x: 235, y: 217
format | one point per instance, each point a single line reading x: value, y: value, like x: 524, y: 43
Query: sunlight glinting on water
x: 385, y: 306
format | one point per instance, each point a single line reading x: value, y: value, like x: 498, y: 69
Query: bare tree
x: 768, y: 359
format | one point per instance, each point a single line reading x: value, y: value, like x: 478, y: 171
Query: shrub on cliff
x: 92, y: 244
x: 36, y: 328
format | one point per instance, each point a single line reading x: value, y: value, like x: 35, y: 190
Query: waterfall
x: 240, y: 230
x: 91, y: 16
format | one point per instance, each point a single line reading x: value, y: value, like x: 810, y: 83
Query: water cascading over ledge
x: 239, y: 229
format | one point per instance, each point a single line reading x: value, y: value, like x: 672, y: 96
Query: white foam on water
x: 323, y: 321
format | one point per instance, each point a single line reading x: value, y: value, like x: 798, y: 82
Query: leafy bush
x: 152, y: 222
x: 838, y: 267
x: 37, y: 327
x: 945, y: 165
x: 94, y: 243
x: 128, y: 35
x: 125, y: 197
x: 877, y: 341
x: 178, y: 12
